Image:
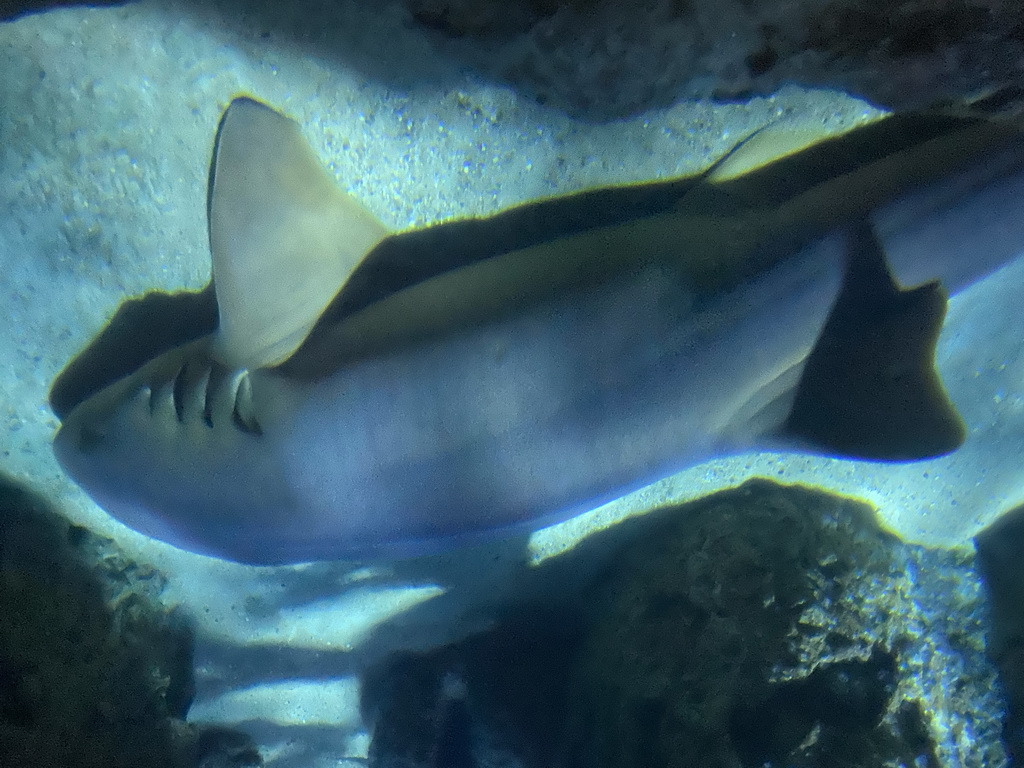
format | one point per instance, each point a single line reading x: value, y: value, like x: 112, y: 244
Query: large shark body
x: 366, y: 394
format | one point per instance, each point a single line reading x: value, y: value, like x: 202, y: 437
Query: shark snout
x: 84, y: 431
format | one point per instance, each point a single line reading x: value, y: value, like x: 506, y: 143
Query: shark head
x: 153, y: 441
x: 174, y: 448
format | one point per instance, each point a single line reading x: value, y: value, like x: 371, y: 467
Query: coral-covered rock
x: 94, y: 670
x: 604, y: 59
x: 1000, y: 554
x: 773, y: 625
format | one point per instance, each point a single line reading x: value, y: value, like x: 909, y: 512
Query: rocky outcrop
x: 94, y: 670
x: 765, y: 625
x: 1000, y: 554
x: 605, y: 59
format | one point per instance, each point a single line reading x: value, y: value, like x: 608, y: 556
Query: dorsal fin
x: 770, y: 144
x: 713, y: 191
x: 283, y: 237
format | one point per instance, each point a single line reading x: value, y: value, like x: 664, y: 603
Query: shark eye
x: 90, y: 438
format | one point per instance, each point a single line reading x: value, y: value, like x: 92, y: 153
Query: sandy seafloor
x: 107, y: 118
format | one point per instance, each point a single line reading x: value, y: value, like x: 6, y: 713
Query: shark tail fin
x: 283, y: 237
x: 869, y: 388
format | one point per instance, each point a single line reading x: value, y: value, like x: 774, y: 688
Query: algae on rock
x: 94, y: 671
x: 773, y: 625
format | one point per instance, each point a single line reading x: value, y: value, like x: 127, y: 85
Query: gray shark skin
x: 512, y: 380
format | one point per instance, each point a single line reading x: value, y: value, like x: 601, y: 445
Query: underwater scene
x: 543, y: 384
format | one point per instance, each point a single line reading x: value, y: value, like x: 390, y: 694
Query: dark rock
x: 217, y: 747
x: 606, y: 59
x: 11, y: 9
x: 1000, y: 558
x: 760, y: 626
x: 94, y: 670
x: 495, y: 699
x: 849, y: 695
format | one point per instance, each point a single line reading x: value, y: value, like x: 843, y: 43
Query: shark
x: 342, y: 391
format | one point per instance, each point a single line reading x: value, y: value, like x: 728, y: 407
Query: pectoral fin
x: 284, y: 238
x: 869, y: 388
